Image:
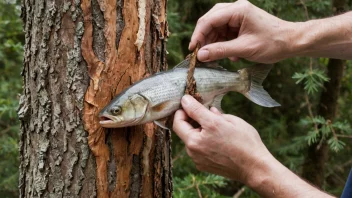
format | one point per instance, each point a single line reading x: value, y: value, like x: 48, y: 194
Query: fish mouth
x: 108, y: 121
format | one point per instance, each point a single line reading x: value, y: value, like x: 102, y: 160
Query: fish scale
x: 158, y: 96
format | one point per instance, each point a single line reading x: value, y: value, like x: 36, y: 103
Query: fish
x: 155, y: 98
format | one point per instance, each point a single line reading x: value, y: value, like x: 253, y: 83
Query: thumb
x: 219, y: 50
x: 197, y: 111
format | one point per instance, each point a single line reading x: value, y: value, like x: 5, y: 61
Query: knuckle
x: 245, y: 5
x: 212, y: 127
x: 217, y: 121
x: 200, y: 20
x: 218, y: 5
x: 192, y: 146
x: 214, y: 124
x: 220, y: 51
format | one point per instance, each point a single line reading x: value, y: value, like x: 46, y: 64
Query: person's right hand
x: 224, y: 144
x: 241, y: 30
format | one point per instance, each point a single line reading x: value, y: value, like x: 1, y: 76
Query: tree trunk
x: 318, y: 154
x: 78, y: 56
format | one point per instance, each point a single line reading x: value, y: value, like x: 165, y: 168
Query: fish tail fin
x: 256, y: 93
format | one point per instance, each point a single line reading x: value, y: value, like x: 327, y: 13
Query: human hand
x: 227, y: 145
x: 224, y: 144
x: 242, y: 30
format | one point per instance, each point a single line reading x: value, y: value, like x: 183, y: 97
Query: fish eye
x: 115, y: 110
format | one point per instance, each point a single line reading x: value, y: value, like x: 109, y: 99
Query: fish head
x: 124, y: 111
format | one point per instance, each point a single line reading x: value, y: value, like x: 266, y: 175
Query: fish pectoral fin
x: 161, y: 123
x: 217, y: 102
x: 161, y: 106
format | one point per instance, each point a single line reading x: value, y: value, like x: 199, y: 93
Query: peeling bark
x: 78, y: 56
x: 191, y: 87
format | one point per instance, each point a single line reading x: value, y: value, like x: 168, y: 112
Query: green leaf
x: 336, y: 144
x: 312, y: 79
x: 312, y: 137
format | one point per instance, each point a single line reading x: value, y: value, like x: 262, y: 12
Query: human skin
x: 227, y: 145
x: 242, y: 30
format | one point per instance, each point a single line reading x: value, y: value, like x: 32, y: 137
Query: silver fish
x: 159, y: 96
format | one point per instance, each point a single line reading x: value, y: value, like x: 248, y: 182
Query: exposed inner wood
x: 137, y: 152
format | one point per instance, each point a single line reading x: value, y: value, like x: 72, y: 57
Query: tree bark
x: 318, y: 154
x: 78, y: 56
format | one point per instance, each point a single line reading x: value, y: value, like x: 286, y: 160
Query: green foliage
x: 286, y: 131
x: 312, y: 79
x: 321, y: 129
x: 11, y: 50
x: 200, y: 185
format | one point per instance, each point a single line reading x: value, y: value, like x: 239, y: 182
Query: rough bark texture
x: 318, y: 154
x: 78, y: 55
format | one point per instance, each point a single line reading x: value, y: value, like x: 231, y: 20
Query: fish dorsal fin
x: 213, y: 64
x: 183, y: 64
x: 217, y: 102
x: 161, y: 123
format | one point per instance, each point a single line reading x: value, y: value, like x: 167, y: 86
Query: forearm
x: 330, y: 37
x: 270, y: 178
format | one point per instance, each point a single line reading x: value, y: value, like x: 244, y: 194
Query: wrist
x: 289, y: 33
x: 263, y: 171
x: 322, y: 38
x: 270, y: 178
x: 298, y: 43
x: 303, y: 38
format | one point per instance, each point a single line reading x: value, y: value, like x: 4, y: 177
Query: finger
x: 202, y: 38
x: 197, y: 111
x: 181, y: 127
x: 220, y: 50
x: 217, y: 7
x: 215, y: 110
x: 220, y: 17
x: 234, y: 58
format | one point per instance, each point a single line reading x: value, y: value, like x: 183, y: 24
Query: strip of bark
x: 96, y: 137
x: 191, y: 87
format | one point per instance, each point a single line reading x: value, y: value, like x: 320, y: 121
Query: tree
x: 77, y: 56
x: 318, y: 153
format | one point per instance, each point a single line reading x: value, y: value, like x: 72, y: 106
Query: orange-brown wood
x: 124, y: 64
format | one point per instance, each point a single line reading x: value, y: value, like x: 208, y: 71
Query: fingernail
x: 189, y: 46
x: 186, y: 99
x: 203, y: 55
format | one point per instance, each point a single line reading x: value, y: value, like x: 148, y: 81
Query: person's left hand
x: 224, y: 144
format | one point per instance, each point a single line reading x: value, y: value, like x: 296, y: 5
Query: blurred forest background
x: 287, y: 131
